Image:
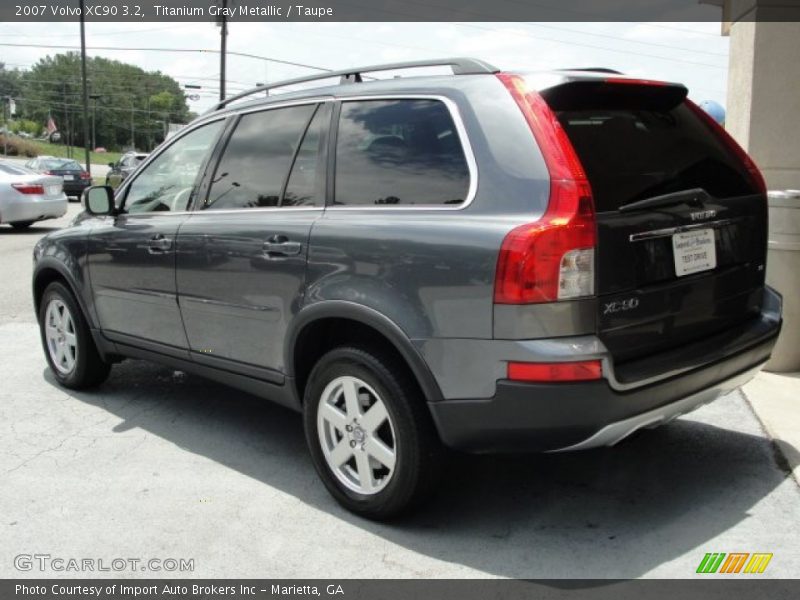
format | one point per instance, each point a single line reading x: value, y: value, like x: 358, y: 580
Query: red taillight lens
x: 49, y: 173
x: 28, y: 188
x: 553, y: 258
x: 585, y: 370
x: 85, y: 175
x: 756, y: 178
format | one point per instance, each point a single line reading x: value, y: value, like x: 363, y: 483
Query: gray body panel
x: 422, y: 277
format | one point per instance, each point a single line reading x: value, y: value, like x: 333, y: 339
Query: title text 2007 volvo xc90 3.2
x: 483, y: 260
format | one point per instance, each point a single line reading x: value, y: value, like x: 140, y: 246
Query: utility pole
x: 5, y: 124
x: 94, y: 98
x: 66, y: 120
x: 133, y: 127
x: 223, y: 45
x: 85, y: 94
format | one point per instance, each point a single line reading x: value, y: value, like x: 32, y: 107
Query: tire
x: 78, y: 365
x: 20, y: 225
x: 363, y: 484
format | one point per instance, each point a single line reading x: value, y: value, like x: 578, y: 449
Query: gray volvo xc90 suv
x: 481, y: 260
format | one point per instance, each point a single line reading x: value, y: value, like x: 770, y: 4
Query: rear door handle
x: 159, y: 244
x: 280, y: 245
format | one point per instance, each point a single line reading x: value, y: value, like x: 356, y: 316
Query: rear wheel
x: 370, y: 435
x: 68, y: 344
x: 22, y: 224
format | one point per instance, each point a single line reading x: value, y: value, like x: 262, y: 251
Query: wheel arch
x: 300, y: 350
x: 48, y: 271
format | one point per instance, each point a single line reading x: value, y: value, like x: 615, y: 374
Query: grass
x: 60, y: 151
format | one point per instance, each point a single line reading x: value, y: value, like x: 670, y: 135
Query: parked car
x: 27, y: 197
x: 75, y: 177
x: 485, y: 261
x: 123, y: 167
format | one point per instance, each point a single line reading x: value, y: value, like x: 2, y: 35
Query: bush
x: 26, y: 126
x: 17, y: 146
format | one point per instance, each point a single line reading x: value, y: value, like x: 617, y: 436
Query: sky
x: 694, y: 54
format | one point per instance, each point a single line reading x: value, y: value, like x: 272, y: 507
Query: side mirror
x: 99, y: 200
x: 111, y: 164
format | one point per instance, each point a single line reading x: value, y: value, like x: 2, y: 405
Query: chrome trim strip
x: 668, y: 231
x: 281, y: 209
x: 619, y: 430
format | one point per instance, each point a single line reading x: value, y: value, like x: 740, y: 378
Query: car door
x: 242, y: 255
x: 132, y: 255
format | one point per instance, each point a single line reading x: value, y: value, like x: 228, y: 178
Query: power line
x: 186, y: 50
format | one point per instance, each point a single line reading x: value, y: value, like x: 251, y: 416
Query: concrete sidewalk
x: 775, y: 399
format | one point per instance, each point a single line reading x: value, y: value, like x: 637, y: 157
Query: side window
x: 391, y: 152
x: 167, y: 184
x: 257, y: 158
x: 305, y: 186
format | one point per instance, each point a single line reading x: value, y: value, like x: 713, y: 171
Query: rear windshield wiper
x: 692, y: 196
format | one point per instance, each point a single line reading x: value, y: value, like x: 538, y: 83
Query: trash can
x: 783, y: 274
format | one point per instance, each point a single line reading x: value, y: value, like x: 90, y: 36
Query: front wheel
x: 68, y: 344
x: 369, y: 432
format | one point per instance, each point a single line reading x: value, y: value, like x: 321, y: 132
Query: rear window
x: 61, y: 165
x: 395, y: 152
x: 636, y: 145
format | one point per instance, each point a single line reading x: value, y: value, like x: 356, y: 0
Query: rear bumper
x: 33, y: 208
x: 575, y: 416
x: 76, y: 187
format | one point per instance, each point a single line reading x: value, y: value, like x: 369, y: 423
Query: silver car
x: 27, y: 197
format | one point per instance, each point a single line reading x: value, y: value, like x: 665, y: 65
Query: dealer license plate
x: 694, y: 251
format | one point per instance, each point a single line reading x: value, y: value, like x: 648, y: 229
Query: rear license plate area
x: 694, y: 251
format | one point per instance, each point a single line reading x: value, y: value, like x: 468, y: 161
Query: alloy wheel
x: 357, y: 435
x: 62, y: 341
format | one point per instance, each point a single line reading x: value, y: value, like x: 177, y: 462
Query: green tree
x: 130, y: 108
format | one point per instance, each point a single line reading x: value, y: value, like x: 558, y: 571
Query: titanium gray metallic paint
x: 423, y: 277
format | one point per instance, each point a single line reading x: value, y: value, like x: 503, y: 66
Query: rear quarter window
x: 399, y: 152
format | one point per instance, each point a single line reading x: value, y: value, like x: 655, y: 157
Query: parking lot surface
x: 158, y: 464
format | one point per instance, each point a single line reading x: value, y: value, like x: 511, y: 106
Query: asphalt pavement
x: 159, y: 464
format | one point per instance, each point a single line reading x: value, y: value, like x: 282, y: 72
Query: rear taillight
x: 28, y: 188
x: 552, y: 258
x: 585, y: 370
x: 49, y: 173
x: 756, y: 178
x: 85, y: 175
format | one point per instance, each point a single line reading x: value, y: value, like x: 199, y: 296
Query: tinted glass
x: 167, y: 183
x: 256, y: 160
x: 391, y: 152
x: 63, y: 165
x: 305, y: 185
x: 637, y: 150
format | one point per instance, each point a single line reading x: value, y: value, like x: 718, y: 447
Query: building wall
x: 764, y: 97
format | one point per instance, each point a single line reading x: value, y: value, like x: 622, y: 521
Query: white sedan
x: 27, y: 197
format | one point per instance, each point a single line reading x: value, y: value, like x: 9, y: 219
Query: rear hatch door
x: 681, y: 219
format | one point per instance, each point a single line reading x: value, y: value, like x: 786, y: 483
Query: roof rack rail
x: 595, y: 70
x: 460, y: 66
